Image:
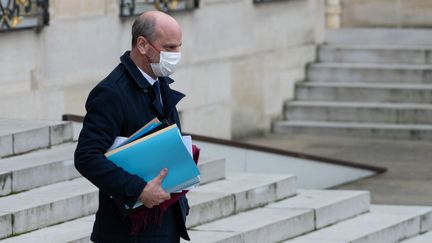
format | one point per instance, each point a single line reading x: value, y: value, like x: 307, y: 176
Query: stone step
x: 20, y: 136
x: 235, y: 194
x: 375, y: 54
x: 424, y: 238
x: 211, y: 169
x: 75, y: 231
x: 369, y: 112
x: 379, y: 36
x: 307, y: 211
x: 376, y: 130
x: 329, y: 206
x: 38, y: 168
x: 258, y: 225
x: 46, y: 206
x: 44, y: 167
x: 354, y: 92
x: 372, y: 73
x: 384, y: 224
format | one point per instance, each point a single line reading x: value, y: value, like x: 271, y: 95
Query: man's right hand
x: 153, y: 194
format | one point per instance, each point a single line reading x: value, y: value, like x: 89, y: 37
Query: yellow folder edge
x: 139, y: 140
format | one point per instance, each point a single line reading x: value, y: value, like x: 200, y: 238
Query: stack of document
x: 154, y: 147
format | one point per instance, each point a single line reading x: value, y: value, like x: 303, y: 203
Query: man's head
x: 156, y: 35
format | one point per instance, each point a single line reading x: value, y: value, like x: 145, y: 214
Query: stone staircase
x: 367, y: 82
x: 44, y: 199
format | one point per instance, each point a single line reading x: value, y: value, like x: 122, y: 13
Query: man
x: 118, y: 106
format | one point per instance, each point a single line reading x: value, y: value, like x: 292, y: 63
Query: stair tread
x: 378, y: 47
x: 383, y: 66
x: 253, y: 220
x: 315, y: 199
x: 11, y: 126
x: 392, y: 105
x: 368, y: 85
x: 237, y: 182
x: 374, y: 222
x: 234, y: 183
x: 45, y: 195
x: 40, y: 157
x: 64, y: 232
x: 424, y: 238
x: 354, y: 125
x: 307, y: 202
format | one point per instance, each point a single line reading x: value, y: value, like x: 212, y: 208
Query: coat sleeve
x: 102, y: 123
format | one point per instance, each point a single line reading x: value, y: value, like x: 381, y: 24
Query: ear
x: 142, y: 44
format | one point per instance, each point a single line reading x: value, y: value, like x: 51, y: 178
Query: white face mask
x: 167, y: 63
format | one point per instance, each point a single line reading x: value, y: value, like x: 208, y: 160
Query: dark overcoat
x: 118, y: 106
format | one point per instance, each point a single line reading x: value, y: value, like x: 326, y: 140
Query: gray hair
x: 144, y: 26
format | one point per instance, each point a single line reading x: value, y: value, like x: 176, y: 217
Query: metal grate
x: 136, y: 7
x: 23, y: 14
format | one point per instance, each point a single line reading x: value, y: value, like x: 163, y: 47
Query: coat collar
x: 170, y: 97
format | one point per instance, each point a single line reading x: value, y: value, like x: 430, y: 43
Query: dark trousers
x: 168, y: 232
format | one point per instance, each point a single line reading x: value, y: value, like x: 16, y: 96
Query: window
x: 23, y: 14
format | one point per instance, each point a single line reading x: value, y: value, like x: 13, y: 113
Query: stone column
x: 333, y: 14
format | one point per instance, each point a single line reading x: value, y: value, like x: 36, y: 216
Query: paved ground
x: 408, y: 180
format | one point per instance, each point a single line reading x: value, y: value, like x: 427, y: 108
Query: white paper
x: 117, y: 142
x: 187, y: 141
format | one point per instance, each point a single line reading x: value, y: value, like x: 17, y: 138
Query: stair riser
x: 6, y: 147
x: 424, y: 135
x: 360, y: 114
x: 56, y: 212
x: 5, y: 183
x: 329, y: 213
x: 281, y: 230
x: 241, y: 201
x: 379, y: 36
x: 61, y: 133
x: 212, y: 171
x: 5, y: 225
x: 31, y: 140
x: 395, y: 233
x: 27, y: 179
x: 36, y: 138
x: 373, y: 75
x: 364, y: 94
x: 341, y: 55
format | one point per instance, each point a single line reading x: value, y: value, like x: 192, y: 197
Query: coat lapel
x: 170, y: 97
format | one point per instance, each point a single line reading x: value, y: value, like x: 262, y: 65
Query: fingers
x: 161, y: 175
x: 166, y: 196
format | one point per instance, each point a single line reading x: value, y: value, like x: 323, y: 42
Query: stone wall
x: 387, y: 13
x: 240, y: 61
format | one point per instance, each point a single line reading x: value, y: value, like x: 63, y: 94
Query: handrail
x: 237, y: 144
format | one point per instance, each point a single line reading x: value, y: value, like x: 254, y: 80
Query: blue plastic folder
x: 147, y: 156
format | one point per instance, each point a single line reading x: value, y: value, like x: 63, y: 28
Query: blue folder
x: 147, y: 156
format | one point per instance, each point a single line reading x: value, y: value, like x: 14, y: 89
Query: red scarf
x: 141, y: 218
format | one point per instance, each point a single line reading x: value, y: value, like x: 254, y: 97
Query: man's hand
x: 153, y: 194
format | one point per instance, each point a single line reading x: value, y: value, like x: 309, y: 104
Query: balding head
x: 153, y: 24
x: 152, y: 33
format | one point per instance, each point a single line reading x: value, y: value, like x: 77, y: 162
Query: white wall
x: 387, y: 13
x: 240, y: 61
